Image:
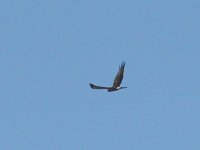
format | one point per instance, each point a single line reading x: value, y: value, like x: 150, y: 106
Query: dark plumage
x: 117, y: 81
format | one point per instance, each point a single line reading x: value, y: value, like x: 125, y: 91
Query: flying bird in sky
x: 116, y: 83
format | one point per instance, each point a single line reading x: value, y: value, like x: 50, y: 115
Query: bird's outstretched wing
x: 119, y: 76
x: 98, y: 87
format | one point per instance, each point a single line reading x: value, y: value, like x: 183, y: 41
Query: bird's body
x: 116, y: 83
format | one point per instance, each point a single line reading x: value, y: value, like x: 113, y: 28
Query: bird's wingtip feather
x: 91, y: 85
x: 123, y: 63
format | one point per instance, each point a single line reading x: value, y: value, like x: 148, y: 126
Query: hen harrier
x: 116, y: 83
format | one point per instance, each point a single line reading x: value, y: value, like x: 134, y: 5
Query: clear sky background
x: 50, y: 50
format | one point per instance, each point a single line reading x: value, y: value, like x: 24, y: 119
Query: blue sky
x: 51, y: 50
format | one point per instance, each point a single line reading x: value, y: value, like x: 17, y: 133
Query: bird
x: 117, y: 81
